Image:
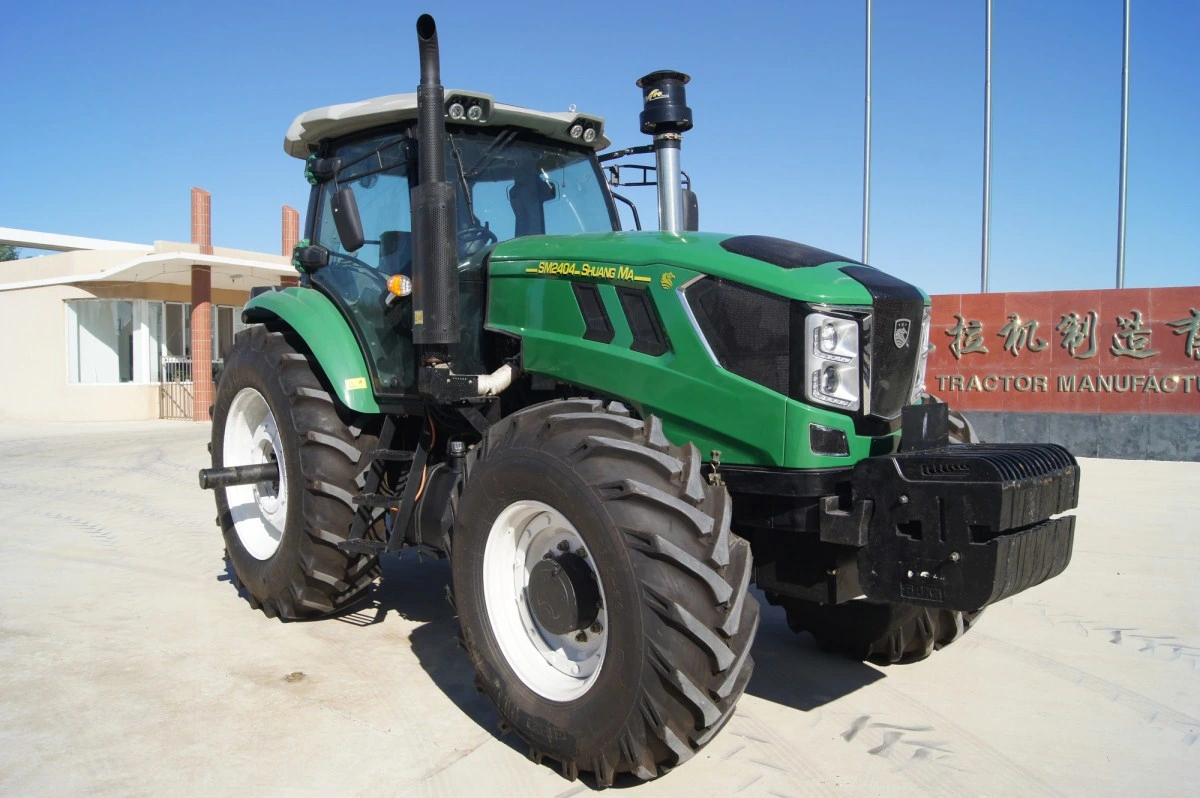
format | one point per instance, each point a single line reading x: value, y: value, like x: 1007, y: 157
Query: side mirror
x: 347, y: 221
x: 691, y: 211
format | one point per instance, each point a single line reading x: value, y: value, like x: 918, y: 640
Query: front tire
x: 577, y: 511
x: 281, y: 538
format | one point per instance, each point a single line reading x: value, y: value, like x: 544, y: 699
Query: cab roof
x: 334, y: 121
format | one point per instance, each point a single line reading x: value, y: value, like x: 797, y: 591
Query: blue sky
x: 114, y: 110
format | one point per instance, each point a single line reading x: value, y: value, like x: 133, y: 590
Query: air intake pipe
x: 666, y: 116
x: 435, y: 251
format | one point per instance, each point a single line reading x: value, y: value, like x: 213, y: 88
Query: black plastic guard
x: 963, y: 526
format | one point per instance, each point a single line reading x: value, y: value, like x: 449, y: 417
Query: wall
x: 162, y: 292
x: 1112, y: 373
x: 64, y: 264
x: 33, y: 357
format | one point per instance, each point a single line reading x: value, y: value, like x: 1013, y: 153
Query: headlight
x: 922, y: 359
x: 831, y: 361
x: 829, y: 337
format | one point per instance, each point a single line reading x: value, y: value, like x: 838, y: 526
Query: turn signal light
x: 399, y: 285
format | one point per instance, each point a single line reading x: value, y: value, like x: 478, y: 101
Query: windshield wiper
x: 498, y: 145
x: 462, y: 179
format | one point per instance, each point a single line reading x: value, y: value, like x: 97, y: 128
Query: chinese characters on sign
x: 1191, y: 328
x: 1129, y: 351
x: 1079, y: 331
x: 1132, y: 337
x: 1020, y: 335
x: 968, y: 337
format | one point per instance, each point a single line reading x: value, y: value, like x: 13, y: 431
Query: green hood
x: 697, y: 252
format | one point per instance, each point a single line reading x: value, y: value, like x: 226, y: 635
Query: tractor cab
x: 516, y: 173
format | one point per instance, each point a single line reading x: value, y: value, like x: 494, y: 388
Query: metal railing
x: 175, y: 386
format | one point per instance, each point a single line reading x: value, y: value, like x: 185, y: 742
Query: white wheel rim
x: 259, y: 511
x: 557, y: 667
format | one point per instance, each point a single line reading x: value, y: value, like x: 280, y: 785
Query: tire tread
x: 320, y: 578
x: 694, y: 576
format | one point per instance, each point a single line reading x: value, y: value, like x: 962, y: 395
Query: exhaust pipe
x: 434, y: 222
x: 665, y: 116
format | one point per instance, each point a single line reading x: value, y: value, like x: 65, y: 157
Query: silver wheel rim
x: 557, y: 667
x: 259, y: 511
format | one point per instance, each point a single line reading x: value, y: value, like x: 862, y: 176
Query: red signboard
x: 1133, y: 350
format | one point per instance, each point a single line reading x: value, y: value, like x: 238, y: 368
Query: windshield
x: 518, y: 187
x: 508, y: 184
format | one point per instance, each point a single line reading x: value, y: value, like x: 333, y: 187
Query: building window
x: 138, y: 341
x: 178, y: 339
x: 100, y: 341
x: 227, y: 322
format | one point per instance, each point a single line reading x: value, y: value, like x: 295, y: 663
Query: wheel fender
x: 326, y: 334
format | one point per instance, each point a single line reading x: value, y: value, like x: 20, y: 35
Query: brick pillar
x: 291, y: 234
x: 291, y: 229
x: 202, y: 220
x: 202, y: 354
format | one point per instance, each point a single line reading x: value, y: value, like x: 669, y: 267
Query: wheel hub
x: 544, y: 600
x: 266, y: 443
x: 258, y: 511
x: 563, y: 595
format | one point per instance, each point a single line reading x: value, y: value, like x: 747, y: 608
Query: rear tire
x: 675, y: 622
x: 281, y: 538
x: 877, y: 631
x: 961, y: 429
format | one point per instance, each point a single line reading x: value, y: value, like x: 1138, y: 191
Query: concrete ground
x: 129, y: 665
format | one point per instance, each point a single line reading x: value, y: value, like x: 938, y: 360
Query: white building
x: 101, y: 330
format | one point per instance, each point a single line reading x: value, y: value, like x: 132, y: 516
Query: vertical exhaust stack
x: 435, y: 251
x: 665, y: 116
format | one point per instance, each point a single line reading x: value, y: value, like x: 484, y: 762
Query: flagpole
x: 985, y: 255
x: 866, y: 213
x: 1124, y: 153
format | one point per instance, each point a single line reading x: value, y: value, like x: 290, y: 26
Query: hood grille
x: 760, y: 336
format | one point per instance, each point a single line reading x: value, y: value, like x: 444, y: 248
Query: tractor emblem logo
x: 667, y: 280
x: 900, y: 333
x: 655, y: 94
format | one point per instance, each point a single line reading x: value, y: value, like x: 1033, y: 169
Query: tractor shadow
x: 417, y: 590
x: 789, y: 669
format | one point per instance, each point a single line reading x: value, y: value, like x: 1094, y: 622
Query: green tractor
x: 611, y: 435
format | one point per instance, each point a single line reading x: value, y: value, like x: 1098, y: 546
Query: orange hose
x: 424, y: 469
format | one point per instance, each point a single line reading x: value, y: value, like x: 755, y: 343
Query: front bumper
x: 962, y: 526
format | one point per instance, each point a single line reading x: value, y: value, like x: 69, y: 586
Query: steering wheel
x: 359, y: 284
x: 473, y: 239
x: 352, y: 259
